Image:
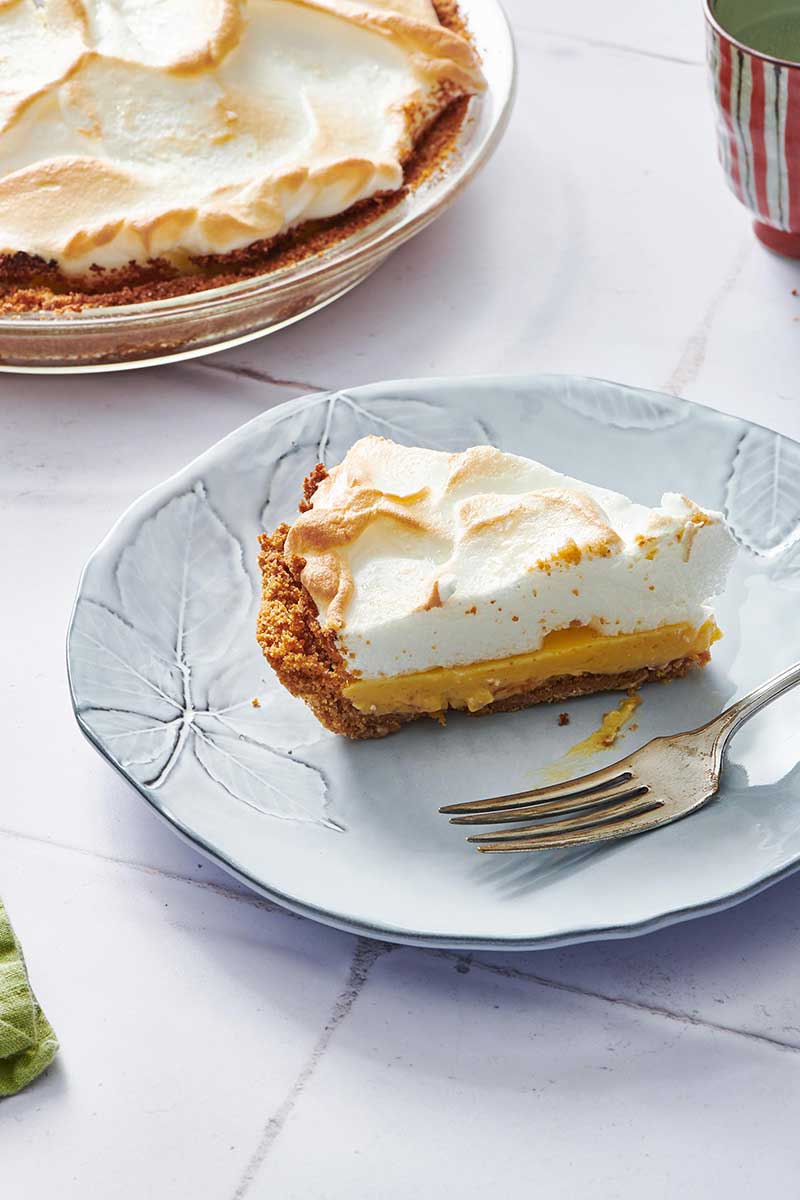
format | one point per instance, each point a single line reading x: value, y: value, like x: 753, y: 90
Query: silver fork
x: 668, y: 778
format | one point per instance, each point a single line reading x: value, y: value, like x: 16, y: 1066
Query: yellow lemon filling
x: 580, y: 651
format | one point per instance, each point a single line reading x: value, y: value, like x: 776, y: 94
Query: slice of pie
x: 154, y: 147
x: 415, y: 581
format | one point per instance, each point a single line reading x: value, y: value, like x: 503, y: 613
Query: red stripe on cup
x: 725, y: 77
x: 793, y: 145
x: 757, y: 101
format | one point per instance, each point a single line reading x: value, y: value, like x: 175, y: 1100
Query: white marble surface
x: 215, y: 1047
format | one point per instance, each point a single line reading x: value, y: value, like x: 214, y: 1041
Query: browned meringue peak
x: 376, y: 503
x: 536, y: 512
x: 39, y: 45
x: 183, y: 35
x: 132, y: 129
x: 437, y: 52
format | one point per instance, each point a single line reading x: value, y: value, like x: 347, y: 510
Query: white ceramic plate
x: 163, y: 667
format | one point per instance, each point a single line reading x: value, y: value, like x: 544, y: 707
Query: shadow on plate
x: 770, y: 813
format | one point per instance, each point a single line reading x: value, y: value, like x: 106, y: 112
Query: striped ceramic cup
x: 757, y: 95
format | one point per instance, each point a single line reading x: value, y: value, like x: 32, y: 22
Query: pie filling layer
x: 572, y: 651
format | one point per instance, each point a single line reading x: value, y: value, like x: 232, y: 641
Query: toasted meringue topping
x: 419, y: 559
x: 134, y: 129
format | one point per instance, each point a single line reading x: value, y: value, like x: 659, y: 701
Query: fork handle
x: 729, y: 721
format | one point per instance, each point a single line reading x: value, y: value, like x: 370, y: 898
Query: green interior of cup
x: 770, y: 26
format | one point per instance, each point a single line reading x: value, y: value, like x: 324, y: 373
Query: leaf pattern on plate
x: 290, y: 722
x: 265, y: 780
x: 623, y: 407
x: 127, y: 673
x: 325, y: 430
x: 762, y: 501
x: 143, y: 746
x: 203, y: 591
x: 787, y: 564
x: 182, y: 580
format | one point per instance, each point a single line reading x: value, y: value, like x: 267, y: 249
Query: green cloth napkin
x: 27, y: 1042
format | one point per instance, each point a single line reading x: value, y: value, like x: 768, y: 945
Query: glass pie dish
x: 179, y: 327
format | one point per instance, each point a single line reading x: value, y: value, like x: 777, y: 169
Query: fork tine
x: 589, y: 821
x: 581, y: 837
x: 617, y: 773
x: 581, y: 803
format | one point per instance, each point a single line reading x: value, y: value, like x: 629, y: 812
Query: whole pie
x: 414, y: 581
x: 154, y: 147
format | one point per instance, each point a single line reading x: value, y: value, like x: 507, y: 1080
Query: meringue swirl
x: 418, y: 559
x: 141, y: 129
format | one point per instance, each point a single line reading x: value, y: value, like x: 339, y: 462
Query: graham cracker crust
x: 308, y: 663
x: 28, y: 283
x: 302, y: 654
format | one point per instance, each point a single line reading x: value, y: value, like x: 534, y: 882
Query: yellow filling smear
x: 611, y: 727
x: 563, y: 652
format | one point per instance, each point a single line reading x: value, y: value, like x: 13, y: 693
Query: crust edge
x: 302, y: 654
